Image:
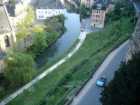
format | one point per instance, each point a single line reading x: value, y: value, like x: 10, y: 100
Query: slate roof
x: 11, y: 7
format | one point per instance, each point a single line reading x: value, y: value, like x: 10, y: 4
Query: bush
x: 24, y: 27
x: 43, y: 36
x: 39, y: 44
x: 55, y: 24
x: 123, y: 9
x: 19, y: 68
x: 2, y: 92
x: 84, y: 11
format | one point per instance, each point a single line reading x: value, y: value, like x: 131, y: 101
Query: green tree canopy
x: 24, y: 27
x: 84, y: 11
x: 123, y: 8
x: 19, y: 68
x: 124, y: 88
x: 39, y: 44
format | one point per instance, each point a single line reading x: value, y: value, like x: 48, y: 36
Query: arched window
x: 7, y: 42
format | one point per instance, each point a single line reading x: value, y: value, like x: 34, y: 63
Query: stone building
x: 16, y: 11
x: 99, y: 10
x: 7, y: 35
x: 98, y: 17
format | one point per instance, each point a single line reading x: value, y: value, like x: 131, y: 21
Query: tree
x: 19, y: 68
x: 123, y: 9
x: 24, y: 27
x: 124, y: 88
x: 39, y: 44
x: 84, y: 11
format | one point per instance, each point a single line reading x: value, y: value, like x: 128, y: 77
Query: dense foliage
x: 84, y: 11
x: 43, y: 36
x: 122, y: 9
x: 55, y: 24
x: 54, y: 28
x: 24, y: 27
x: 39, y: 44
x: 19, y: 68
x: 124, y: 88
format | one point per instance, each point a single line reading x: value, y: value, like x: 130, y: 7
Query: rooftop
x: 101, y: 4
x: 4, y: 22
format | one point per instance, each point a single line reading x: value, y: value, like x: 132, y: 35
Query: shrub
x: 19, y: 68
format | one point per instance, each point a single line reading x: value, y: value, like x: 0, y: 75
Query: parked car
x: 101, y: 82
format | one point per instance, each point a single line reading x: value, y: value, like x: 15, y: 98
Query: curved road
x: 90, y: 94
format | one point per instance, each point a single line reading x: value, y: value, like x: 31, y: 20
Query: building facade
x: 98, y: 18
x: 7, y: 35
x: 99, y: 10
x: 42, y: 14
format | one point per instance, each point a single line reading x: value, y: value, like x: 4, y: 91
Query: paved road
x: 90, y: 94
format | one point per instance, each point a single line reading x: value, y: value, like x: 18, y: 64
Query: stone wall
x: 134, y: 41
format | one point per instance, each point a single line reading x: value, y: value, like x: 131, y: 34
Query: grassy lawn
x: 60, y: 85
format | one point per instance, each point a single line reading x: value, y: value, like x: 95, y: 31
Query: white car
x: 101, y: 82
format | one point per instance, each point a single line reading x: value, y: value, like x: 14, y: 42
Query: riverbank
x: 57, y: 28
x: 64, y: 43
x: 70, y: 76
x: 46, y: 35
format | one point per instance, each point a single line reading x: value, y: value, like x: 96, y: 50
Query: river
x: 65, y: 42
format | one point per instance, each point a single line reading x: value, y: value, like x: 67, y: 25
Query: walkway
x: 82, y: 38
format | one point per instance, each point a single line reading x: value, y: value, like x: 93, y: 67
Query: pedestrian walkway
x: 82, y: 37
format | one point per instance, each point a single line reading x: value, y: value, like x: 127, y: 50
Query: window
x: 7, y: 42
x: 97, y: 16
x: 0, y: 49
x: 97, y: 11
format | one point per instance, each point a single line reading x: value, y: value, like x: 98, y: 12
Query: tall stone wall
x: 134, y: 41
